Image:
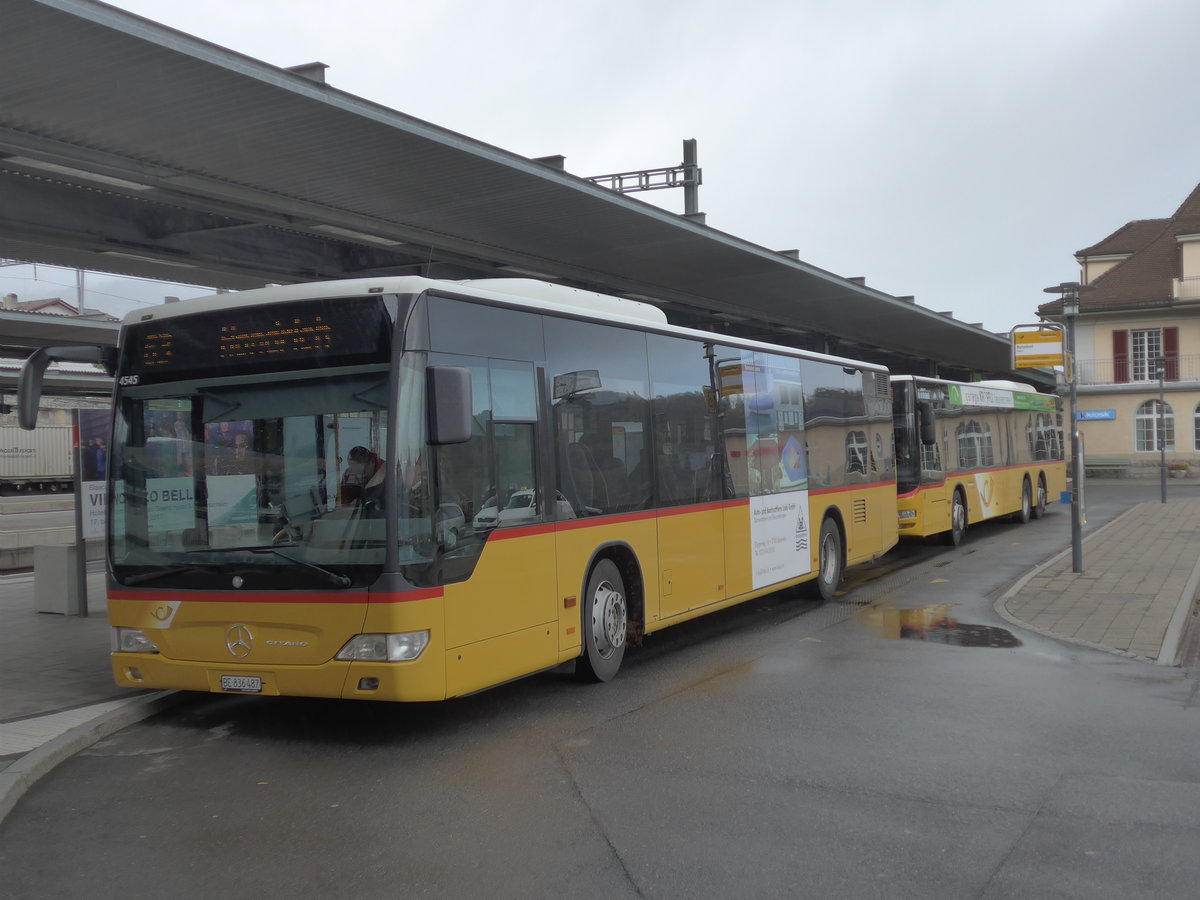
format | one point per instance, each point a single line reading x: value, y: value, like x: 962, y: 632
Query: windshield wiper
x: 333, y: 577
x: 163, y: 573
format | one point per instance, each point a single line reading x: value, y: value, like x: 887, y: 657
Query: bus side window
x: 599, y: 380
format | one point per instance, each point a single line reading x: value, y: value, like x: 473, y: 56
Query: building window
x: 1196, y: 427
x: 1145, y: 347
x: 1146, y: 425
x: 1136, y: 353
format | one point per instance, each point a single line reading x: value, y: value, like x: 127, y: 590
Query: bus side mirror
x: 449, y: 395
x: 928, y: 423
x: 33, y: 370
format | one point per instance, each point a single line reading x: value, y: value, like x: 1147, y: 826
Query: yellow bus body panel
x: 520, y: 611
x: 578, y: 543
x: 739, y: 564
x: 691, y: 569
x: 511, y: 589
x: 989, y: 494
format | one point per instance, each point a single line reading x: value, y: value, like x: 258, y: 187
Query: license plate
x: 243, y: 684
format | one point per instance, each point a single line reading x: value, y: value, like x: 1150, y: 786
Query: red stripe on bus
x: 1049, y: 464
x: 820, y: 492
x: 280, y: 597
x: 614, y: 519
x: 701, y: 507
x: 506, y: 534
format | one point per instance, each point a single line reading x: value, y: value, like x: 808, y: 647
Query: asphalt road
x: 774, y: 750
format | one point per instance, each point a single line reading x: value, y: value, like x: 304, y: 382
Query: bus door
x: 684, y: 461
x: 691, y: 537
x: 491, y: 513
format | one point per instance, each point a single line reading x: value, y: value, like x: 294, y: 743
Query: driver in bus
x: 363, y: 479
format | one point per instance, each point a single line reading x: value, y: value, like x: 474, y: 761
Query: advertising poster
x: 94, y: 429
x: 780, y: 537
x: 777, y: 468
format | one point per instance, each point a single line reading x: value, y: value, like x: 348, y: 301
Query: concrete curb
x: 26, y: 771
x: 1177, y: 629
x: 1172, y: 640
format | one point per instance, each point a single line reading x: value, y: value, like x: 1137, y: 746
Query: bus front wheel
x: 1026, y: 511
x: 958, y: 521
x: 605, y: 621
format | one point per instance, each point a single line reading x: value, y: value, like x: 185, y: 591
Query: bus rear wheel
x: 605, y: 622
x: 829, y: 563
x: 1039, y: 506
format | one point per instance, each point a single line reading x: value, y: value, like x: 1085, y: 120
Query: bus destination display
x: 261, y: 339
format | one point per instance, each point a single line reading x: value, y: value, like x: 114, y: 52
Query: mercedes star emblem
x: 239, y: 640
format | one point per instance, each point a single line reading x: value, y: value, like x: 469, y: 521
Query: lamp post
x: 1160, y: 363
x: 1069, y: 290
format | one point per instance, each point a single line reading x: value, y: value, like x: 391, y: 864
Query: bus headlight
x: 400, y: 647
x: 130, y: 640
x: 908, y: 513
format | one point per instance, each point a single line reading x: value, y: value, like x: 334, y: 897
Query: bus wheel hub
x: 608, y: 615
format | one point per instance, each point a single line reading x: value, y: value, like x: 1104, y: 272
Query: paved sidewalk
x: 57, y: 694
x: 1137, y: 590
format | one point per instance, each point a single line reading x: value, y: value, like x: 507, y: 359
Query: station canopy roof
x: 128, y: 147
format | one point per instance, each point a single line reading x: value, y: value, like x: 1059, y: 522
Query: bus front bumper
x: 422, y: 679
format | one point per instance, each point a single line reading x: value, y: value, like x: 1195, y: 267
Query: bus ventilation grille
x: 881, y: 385
x: 860, y: 512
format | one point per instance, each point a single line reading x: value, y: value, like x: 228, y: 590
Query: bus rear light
x: 384, y: 647
x: 130, y: 640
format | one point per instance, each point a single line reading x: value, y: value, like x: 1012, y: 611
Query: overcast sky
x: 957, y: 150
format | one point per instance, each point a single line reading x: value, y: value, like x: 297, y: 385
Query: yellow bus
x: 406, y: 489
x: 970, y: 452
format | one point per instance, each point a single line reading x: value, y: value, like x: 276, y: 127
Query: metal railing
x: 1187, y: 288
x: 1109, y: 371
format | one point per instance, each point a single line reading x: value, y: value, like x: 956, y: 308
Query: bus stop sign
x: 1037, y: 348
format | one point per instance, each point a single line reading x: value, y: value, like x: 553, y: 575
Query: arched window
x: 975, y: 445
x: 856, y: 452
x: 1147, y: 426
x: 1043, y: 436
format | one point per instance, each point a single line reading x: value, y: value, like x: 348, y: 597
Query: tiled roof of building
x: 1129, y: 238
x: 1144, y: 279
x: 53, y: 306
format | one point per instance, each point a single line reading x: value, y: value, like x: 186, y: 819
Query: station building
x: 1138, y: 340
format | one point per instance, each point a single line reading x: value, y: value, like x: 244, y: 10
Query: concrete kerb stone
x: 1172, y: 641
x: 26, y: 771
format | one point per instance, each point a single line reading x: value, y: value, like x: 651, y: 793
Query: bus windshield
x: 251, y: 482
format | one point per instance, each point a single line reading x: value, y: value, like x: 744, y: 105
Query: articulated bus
x: 970, y: 452
x: 406, y: 489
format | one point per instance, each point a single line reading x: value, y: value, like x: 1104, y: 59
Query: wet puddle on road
x: 935, y: 625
